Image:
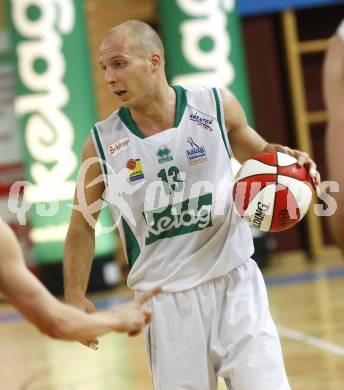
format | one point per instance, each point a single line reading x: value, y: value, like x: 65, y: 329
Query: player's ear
x: 155, y: 60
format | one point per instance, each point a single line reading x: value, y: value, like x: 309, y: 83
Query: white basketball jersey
x: 340, y: 30
x: 171, y: 194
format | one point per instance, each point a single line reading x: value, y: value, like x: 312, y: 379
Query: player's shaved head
x: 137, y: 34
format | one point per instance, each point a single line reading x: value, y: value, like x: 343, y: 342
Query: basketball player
x: 333, y: 76
x: 168, y: 146
x: 52, y: 317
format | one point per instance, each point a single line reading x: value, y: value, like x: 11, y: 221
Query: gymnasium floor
x: 306, y: 301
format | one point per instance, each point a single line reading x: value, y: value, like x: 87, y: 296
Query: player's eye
x: 118, y: 64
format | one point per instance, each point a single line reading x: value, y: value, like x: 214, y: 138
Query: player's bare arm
x: 246, y: 142
x: 80, y: 240
x: 52, y: 317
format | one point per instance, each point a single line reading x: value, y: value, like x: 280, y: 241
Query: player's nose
x: 110, y: 76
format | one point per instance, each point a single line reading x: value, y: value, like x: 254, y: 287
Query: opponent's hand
x: 82, y: 303
x: 302, y: 159
x: 132, y: 317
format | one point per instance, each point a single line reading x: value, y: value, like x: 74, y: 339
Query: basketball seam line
x: 269, y: 165
x: 270, y: 174
x: 273, y: 165
x: 257, y: 174
x: 264, y: 186
x: 292, y: 177
x: 273, y: 209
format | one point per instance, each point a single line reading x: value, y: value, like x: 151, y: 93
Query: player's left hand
x: 302, y: 159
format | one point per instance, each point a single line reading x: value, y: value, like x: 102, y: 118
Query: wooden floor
x: 306, y: 301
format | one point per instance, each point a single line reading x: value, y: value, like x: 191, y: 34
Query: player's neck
x: 158, y: 113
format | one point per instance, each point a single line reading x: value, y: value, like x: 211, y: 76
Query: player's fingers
x: 294, y: 153
x: 93, y: 344
x: 313, y: 173
x: 302, y: 158
x: 90, y: 308
x: 286, y: 150
x: 317, y: 178
x: 148, y: 315
x: 280, y: 148
x: 148, y: 295
x: 135, y: 332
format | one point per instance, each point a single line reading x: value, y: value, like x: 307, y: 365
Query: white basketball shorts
x: 221, y: 328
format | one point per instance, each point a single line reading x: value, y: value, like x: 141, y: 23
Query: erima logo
x: 202, y: 121
x: 118, y: 147
x: 260, y: 214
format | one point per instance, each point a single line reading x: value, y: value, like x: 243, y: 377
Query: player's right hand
x: 82, y: 303
x: 132, y: 317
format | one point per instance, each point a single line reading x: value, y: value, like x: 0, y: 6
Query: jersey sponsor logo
x: 201, y: 120
x: 118, y: 147
x: 164, y: 155
x: 196, y: 154
x: 189, y: 216
x: 135, y: 169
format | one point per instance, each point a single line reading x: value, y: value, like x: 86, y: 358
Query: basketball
x: 272, y: 192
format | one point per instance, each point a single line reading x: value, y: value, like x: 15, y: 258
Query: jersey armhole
x: 100, y: 152
x: 221, y: 120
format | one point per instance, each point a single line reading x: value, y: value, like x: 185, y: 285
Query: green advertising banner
x: 203, y: 45
x: 55, y: 104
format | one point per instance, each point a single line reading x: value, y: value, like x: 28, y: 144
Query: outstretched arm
x: 53, y: 317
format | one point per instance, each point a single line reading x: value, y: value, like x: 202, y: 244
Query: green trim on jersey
x: 219, y: 119
x: 127, y: 119
x: 133, y: 247
x: 100, y: 152
x: 180, y: 103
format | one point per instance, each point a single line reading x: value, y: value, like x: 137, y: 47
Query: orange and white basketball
x: 272, y: 192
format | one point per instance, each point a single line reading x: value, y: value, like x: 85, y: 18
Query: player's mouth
x: 120, y: 93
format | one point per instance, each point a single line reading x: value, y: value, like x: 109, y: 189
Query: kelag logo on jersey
x: 196, y: 154
x: 178, y: 219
